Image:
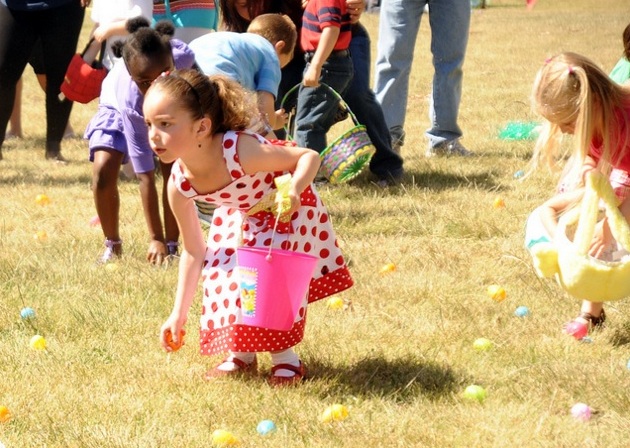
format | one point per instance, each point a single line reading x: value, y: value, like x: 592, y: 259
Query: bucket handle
x: 342, y: 103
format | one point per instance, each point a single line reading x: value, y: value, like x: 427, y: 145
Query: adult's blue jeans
x: 317, y: 106
x: 385, y: 163
x: 398, y: 29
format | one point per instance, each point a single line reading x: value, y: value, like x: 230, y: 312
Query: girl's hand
x: 294, y: 197
x: 157, y: 252
x: 172, y: 333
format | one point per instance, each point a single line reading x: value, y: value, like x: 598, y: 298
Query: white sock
x: 229, y: 366
x: 287, y: 356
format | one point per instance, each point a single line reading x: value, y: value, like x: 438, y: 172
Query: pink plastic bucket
x: 273, y: 288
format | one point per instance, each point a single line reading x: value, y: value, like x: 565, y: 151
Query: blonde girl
x: 575, y: 96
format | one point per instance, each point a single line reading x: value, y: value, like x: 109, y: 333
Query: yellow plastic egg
x: 221, y: 438
x: 38, y: 342
x: 389, y: 267
x: 334, y: 413
x: 334, y: 303
x: 496, y: 293
x: 42, y: 199
x: 40, y: 235
x: 5, y: 415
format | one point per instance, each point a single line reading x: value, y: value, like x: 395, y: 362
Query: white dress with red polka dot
x: 244, y: 216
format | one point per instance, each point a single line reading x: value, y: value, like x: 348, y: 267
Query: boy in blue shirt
x: 254, y: 59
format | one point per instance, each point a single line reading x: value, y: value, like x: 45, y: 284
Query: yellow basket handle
x: 598, y: 186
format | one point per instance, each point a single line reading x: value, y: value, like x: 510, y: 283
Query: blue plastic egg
x: 521, y: 311
x: 265, y: 427
x: 27, y: 313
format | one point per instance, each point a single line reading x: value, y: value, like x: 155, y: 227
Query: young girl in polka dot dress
x: 199, y: 123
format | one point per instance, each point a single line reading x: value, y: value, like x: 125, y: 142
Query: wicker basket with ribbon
x: 345, y: 157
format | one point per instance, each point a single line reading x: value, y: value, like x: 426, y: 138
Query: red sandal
x: 243, y: 369
x: 280, y: 381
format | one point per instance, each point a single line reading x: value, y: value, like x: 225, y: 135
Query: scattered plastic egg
x: 388, y: 268
x: 38, y: 342
x: 521, y: 311
x: 581, y: 411
x: 5, y: 414
x: 496, y: 293
x: 482, y: 344
x: 519, y: 174
x: 42, y: 199
x: 40, y: 235
x: 221, y: 438
x: 475, y: 393
x: 576, y: 329
x: 498, y: 203
x: 266, y: 427
x: 27, y: 313
x: 334, y: 303
x: 336, y: 412
x: 95, y: 221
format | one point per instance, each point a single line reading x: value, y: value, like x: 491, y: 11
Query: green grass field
x: 401, y: 353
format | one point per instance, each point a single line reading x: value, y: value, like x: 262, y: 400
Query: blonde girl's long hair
x: 228, y: 105
x: 570, y: 89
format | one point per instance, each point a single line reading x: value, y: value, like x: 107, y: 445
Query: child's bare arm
x: 326, y: 45
x: 551, y: 210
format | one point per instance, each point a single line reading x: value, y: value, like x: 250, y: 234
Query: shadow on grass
x: 400, y: 380
x: 621, y: 336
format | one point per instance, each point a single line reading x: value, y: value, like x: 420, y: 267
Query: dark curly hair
x: 144, y: 40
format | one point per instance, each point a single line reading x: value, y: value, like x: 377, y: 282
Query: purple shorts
x: 105, y: 131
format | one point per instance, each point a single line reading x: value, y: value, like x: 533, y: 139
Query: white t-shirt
x: 108, y: 11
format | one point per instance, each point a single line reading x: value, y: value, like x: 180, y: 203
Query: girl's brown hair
x: 228, y: 105
x: 567, y: 89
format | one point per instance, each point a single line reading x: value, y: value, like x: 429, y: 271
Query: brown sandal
x: 592, y: 321
x: 279, y: 381
x: 243, y: 369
